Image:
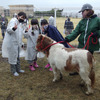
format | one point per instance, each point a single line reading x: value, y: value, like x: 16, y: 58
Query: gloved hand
x: 66, y: 40
x: 95, y: 34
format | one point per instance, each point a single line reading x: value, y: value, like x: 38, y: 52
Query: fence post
x: 55, y: 10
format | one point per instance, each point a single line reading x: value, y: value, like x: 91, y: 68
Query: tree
x: 48, y: 13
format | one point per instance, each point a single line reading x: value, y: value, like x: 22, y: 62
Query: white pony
x: 69, y: 59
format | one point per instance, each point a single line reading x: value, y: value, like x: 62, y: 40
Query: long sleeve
x: 11, y: 24
x: 73, y: 34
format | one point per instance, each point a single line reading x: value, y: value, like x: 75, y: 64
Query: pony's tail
x: 92, y: 74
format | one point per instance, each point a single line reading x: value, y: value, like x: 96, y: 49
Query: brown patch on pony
x: 70, y: 67
x: 38, y: 47
x: 46, y: 42
x: 70, y: 49
x: 90, y: 60
x: 92, y: 77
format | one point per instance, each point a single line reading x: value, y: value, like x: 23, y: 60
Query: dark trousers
x: 16, y: 67
x: 3, y: 32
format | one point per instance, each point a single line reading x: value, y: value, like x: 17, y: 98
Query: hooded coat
x: 31, y: 52
x: 12, y: 42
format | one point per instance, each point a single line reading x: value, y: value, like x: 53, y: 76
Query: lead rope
x: 87, y: 43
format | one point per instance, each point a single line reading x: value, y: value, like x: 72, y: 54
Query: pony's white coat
x: 62, y: 59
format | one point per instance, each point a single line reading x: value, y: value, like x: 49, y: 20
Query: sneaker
x: 35, y: 64
x: 48, y: 65
x: 16, y: 74
x: 50, y: 69
x: 21, y: 71
x: 32, y: 68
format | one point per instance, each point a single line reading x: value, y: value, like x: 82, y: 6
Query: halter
x: 48, y: 45
x: 40, y: 44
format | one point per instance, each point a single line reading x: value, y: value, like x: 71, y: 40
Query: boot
x: 35, y: 64
x: 48, y: 65
x: 32, y: 68
x: 50, y: 69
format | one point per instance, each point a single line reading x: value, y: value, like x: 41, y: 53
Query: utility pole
x: 55, y: 10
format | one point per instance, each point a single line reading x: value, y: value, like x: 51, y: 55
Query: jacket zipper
x: 86, y: 31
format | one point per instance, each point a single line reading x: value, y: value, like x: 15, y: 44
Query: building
x: 28, y: 9
x: 1, y: 10
x: 6, y: 12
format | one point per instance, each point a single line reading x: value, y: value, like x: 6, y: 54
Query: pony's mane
x: 43, y: 41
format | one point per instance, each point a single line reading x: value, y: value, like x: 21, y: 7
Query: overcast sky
x: 51, y: 3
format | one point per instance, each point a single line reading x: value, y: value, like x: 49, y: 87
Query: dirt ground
x: 38, y: 85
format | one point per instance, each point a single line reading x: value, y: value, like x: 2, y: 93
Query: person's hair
x: 22, y: 14
x: 34, y: 22
x: 44, y: 22
x: 90, y: 13
x: 68, y: 19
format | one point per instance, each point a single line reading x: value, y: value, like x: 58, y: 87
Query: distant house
x: 28, y: 9
x: 6, y: 12
x: 1, y: 10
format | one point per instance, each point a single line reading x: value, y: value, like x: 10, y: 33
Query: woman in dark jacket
x: 52, y: 32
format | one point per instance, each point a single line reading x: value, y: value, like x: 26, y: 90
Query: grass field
x: 38, y: 85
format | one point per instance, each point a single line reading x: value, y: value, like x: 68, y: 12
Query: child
x: 12, y: 43
x: 32, y: 35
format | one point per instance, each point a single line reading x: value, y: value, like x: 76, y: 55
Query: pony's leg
x: 87, y: 80
x: 82, y: 83
x: 61, y: 74
x: 56, y: 74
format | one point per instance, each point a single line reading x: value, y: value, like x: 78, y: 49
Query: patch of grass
x: 38, y: 85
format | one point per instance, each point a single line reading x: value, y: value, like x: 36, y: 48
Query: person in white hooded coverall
x: 12, y: 43
x: 31, y: 35
x: 51, y: 20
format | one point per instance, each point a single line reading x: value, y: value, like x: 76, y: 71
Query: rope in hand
x: 87, y: 43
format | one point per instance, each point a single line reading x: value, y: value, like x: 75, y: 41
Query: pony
x: 68, y: 59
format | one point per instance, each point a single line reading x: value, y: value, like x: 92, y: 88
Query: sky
x: 51, y: 3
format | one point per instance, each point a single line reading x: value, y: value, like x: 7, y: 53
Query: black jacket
x: 68, y: 25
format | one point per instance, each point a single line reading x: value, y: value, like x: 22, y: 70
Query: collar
x: 93, y: 16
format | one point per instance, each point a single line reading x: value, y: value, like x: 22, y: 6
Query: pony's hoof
x: 89, y: 93
x: 54, y: 80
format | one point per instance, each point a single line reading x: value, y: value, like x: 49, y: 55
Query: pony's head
x: 42, y: 42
